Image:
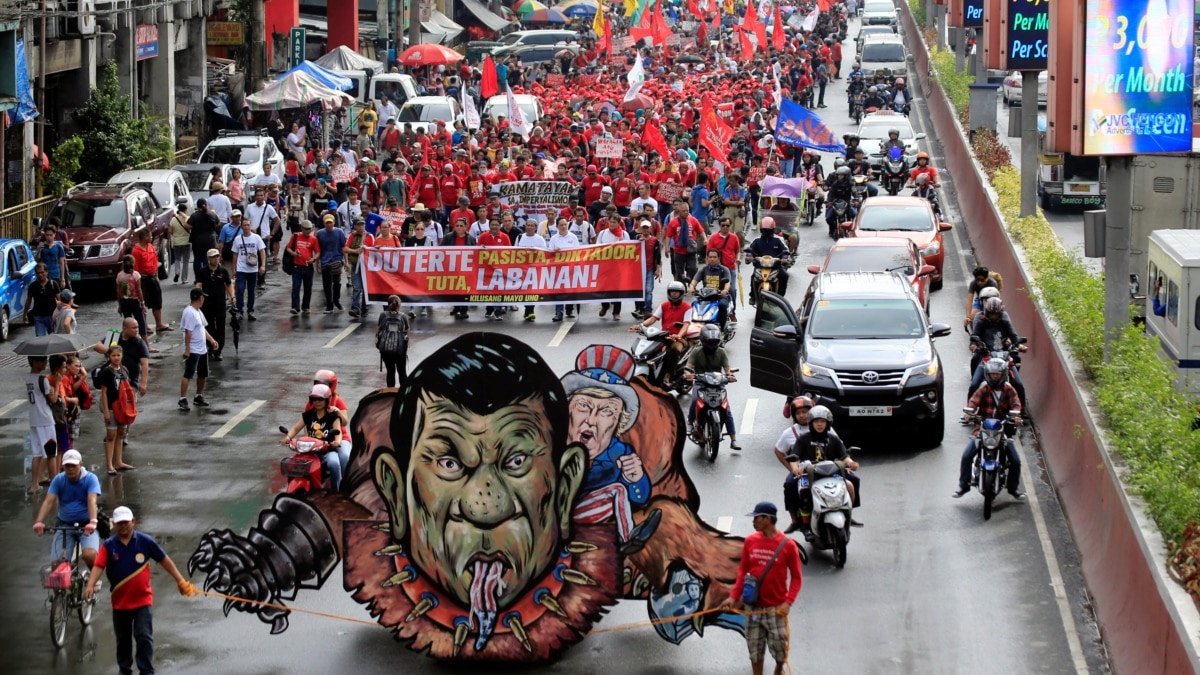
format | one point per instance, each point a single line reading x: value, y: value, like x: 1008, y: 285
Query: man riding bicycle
x: 74, y: 491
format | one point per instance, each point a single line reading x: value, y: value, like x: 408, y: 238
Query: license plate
x: 74, y: 276
x: 870, y: 411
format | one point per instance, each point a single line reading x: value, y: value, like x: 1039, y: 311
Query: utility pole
x: 941, y: 26
x: 960, y: 50
x: 1029, y: 142
x: 414, y: 25
x: 258, y: 45
x: 1118, y: 207
x: 384, y: 11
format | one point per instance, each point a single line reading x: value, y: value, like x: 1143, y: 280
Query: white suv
x: 244, y: 150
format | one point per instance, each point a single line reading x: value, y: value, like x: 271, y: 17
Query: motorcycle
x: 650, y: 350
x: 767, y: 271
x: 990, y: 469
x: 810, y: 205
x: 856, y: 108
x: 895, y: 171
x: 706, y: 310
x: 831, y: 509
x: 931, y: 197
x: 859, y: 191
x: 1010, y: 355
x: 843, y: 223
x: 305, y: 471
x: 712, y: 404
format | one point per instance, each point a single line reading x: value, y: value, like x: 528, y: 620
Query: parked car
x: 17, y: 267
x: 168, y: 186
x: 525, y: 38
x: 908, y: 217
x: 529, y: 104
x: 101, y: 220
x: 1011, y: 88
x: 246, y: 150
x: 859, y: 345
x: 881, y: 254
x: 423, y: 111
x: 883, y: 54
x: 532, y: 54
x: 199, y: 177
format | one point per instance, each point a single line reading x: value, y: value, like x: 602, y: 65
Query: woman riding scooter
x: 815, y: 445
x: 323, y: 423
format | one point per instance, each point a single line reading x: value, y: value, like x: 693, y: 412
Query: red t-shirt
x: 498, y: 239
x: 449, y: 184
x: 477, y: 191
x: 466, y: 214
x: 427, y: 190
x: 592, y: 185
x: 622, y: 192
x: 729, y: 246
x: 128, y: 567
x: 783, y: 581
x: 695, y: 232
x: 307, y: 248
x: 145, y: 260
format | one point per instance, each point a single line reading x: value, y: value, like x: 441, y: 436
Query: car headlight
x: 925, y: 370
x: 810, y: 371
x: 934, y: 248
x: 109, y: 250
x: 932, y: 368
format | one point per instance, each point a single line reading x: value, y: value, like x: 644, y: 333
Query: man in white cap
x: 74, y: 491
x: 125, y: 556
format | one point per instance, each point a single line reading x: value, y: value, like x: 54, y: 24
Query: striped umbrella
x: 544, y: 16
x: 577, y: 8
x: 523, y: 7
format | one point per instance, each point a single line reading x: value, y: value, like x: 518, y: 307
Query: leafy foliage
x: 112, y: 139
x: 955, y: 85
x: 990, y: 151
x: 66, y: 164
x: 918, y: 11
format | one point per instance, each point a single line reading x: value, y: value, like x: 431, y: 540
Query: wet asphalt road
x: 929, y: 586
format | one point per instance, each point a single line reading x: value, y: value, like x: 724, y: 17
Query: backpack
x: 391, y: 340
x: 124, y: 409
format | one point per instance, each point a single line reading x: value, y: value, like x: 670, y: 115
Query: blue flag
x: 801, y: 127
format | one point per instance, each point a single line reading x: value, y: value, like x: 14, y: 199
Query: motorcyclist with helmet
x: 716, y: 276
x: 873, y: 99
x: 852, y: 143
x: 857, y: 84
x: 675, y: 315
x: 710, y: 358
x: 840, y: 186
x: 337, y: 404
x: 811, y: 171
x: 770, y: 245
x: 927, y: 192
x: 859, y: 166
x: 994, y: 401
x: 322, y: 422
x: 799, y: 408
x: 900, y: 98
x: 893, y: 141
x: 816, y: 444
x: 992, y: 328
x: 923, y: 168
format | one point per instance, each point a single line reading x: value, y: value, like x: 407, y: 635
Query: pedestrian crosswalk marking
x: 342, y: 335
x: 11, y: 407
x: 561, y: 334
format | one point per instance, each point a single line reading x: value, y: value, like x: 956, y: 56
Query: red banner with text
x: 463, y: 275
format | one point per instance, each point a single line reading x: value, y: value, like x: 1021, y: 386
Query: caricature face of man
x: 483, y: 488
x: 594, y: 421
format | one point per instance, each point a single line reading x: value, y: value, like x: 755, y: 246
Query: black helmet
x: 848, y: 138
x: 843, y: 171
x: 801, y: 402
x: 710, y: 338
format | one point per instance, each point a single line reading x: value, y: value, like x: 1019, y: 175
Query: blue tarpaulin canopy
x: 26, y: 109
x: 323, y: 75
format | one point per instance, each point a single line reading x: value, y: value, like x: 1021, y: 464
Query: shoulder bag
x: 751, y: 583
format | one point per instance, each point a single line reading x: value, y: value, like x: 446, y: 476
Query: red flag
x: 747, y: 45
x: 702, y: 35
x: 693, y: 8
x: 715, y: 134
x: 652, y: 138
x: 824, y: 5
x: 777, y: 36
x: 607, y: 42
x: 716, y: 23
x: 750, y: 22
x: 488, y: 84
x: 659, y: 24
x: 643, y: 29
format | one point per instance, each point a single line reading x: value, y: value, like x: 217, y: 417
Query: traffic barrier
x: 1144, y: 629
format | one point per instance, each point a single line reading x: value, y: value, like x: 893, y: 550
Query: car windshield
x: 865, y: 320
x: 901, y: 218
x: 425, y: 112
x: 877, y: 128
x: 879, y: 7
x: 874, y: 30
x: 869, y: 259
x: 93, y: 213
x: 231, y: 154
x: 881, y: 52
x: 196, y: 180
x: 527, y: 109
x: 510, y: 39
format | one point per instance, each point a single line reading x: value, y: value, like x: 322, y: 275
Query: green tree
x: 67, y: 160
x: 113, y: 140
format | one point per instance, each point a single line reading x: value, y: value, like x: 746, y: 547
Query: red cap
x: 591, y: 167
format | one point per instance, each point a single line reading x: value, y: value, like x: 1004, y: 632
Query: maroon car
x: 101, y: 220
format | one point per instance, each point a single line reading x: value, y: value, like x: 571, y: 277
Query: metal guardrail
x: 16, y: 222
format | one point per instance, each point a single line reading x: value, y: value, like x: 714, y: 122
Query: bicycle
x: 65, y: 582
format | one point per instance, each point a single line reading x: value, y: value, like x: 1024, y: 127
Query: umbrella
x: 638, y: 102
x: 544, y: 16
x: 55, y: 343
x: 689, y: 58
x: 235, y: 324
x: 578, y: 8
x: 527, y: 6
x: 429, y: 55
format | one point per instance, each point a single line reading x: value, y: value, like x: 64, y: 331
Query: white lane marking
x: 11, y: 406
x: 725, y: 523
x: 562, y: 333
x: 955, y: 232
x: 1056, y: 580
x: 747, y: 427
x: 342, y: 335
x: 237, y: 419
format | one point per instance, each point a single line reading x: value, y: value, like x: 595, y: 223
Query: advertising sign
x: 459, y: 275
x: 147, y: 41
x: 225, y: 33
x: 296, y: 39
x: 1138, y: 81
x: 1026, y: 36
x: 972, y: 13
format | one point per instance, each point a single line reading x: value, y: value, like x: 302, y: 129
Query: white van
x: 529, y: 104
x: 398, y: 87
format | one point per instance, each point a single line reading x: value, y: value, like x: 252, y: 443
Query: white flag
x: 810, y: 21
x: 777, y: 91
x: 516, y: 117
x: 470, y: 114
x: 636, y: 78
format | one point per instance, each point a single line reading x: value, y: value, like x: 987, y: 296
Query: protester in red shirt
x: 449, y: 188
x: 593, y: 184
x: 725, y: 241
x: 622, y: 191
x: 305, y: 251
x: 463, y: 211
x: 683, y: 253
x: 477, y: 186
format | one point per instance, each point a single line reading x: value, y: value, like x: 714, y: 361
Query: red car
x: 881, y: 254
x: 908, y: 217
